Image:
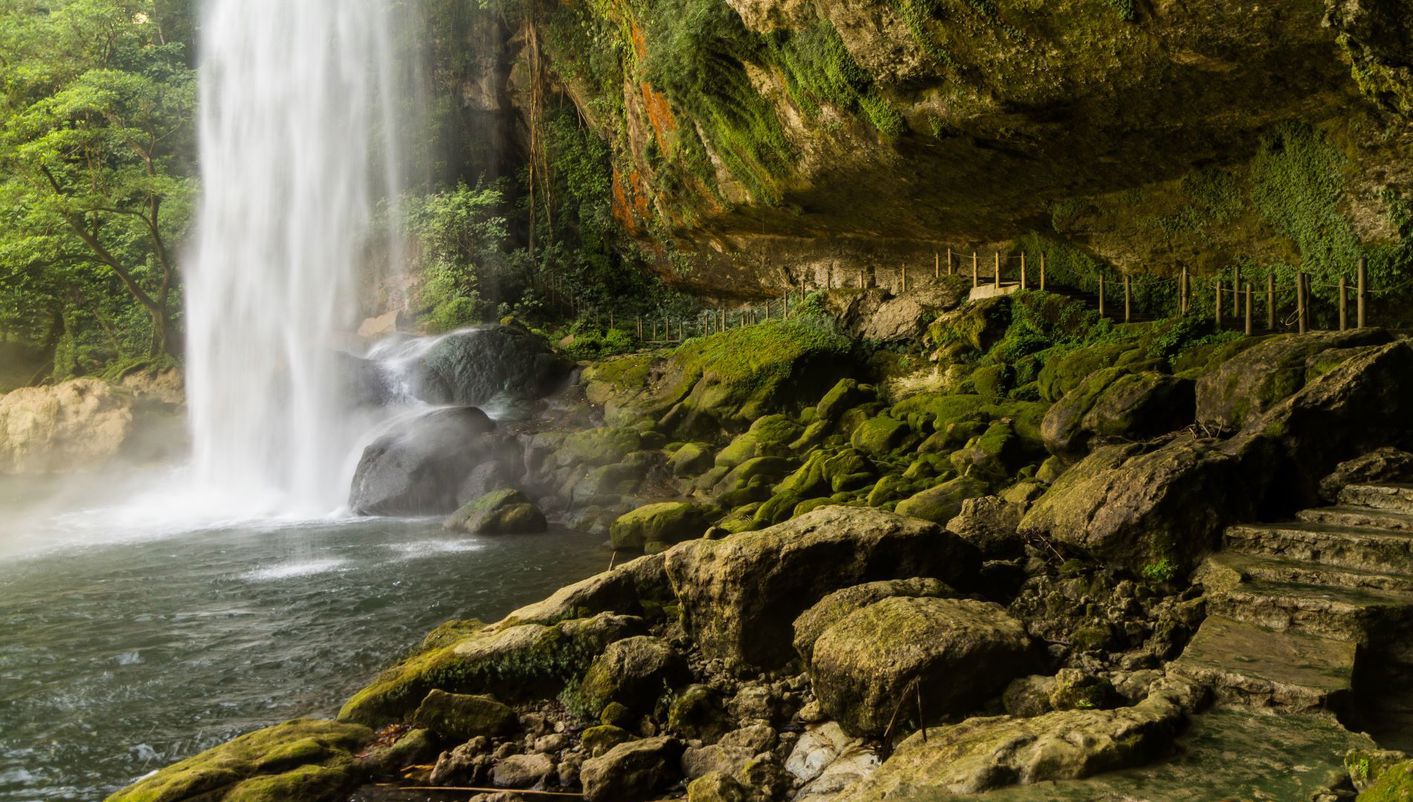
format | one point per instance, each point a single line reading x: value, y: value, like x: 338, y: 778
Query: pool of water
x: 121, y: 657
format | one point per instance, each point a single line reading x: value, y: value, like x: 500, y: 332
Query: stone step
x: 1396, y: 497
x: 1360, y: 548
x: 1227, y: 569
x: 1329, y: 612
x: 1367, y: 517
x: 1248, y: 664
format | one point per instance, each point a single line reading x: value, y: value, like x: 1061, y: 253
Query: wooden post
x: 1270, y: 302
x: 1182, y: 291
x: 1101, y: 295
x: 640, y: 328
x: 1022, y: 281
x: 903, y: 273
x: 1128, y: 299
x: 1300, y: 302
x: 936, y: 265
x: 974, y: 278
x: 1235, y: 291
x: 997, y: 277
x: 1343, y: 303
x: 1042, y: 271
x: 1218, y: 306
x: 721, y: 322
x: 1359, y: 292
x: 1248, y: 309
x: 949, y: 261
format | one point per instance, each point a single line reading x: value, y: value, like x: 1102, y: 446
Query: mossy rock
x: 972, y: 329
x: 941, y: 503
x: 741, y: 519
x: 752, y: 480
x: 991, y: 381
x: 1026, y: 418
x: 301, y: 759
x: 769, y: 436
x: 849, y: 470
x: 846, y: 394
x: 633, y: 672
x: 1066, y: 371
x: 510, y: 662
x: 602, y: 737
x: 499, y: 512
x: 598, y: 446
x: 890, y: 488
x: 778, y: 508
x: 459, y: 717
x: 812, y: 436
x: 690, y: 459
x: 666, y: 522
x: 880, y: 436
x: 811, y: 504
x: 930, y: 466
x: 855, y: 416
x: 1394, y: 784
x: 992, y: 455
x: 933, y: 411
x: 837, y: 605
x: 699, y: 712
x: 810, y: 479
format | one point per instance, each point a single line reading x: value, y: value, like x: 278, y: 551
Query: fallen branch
x: 479, y: 790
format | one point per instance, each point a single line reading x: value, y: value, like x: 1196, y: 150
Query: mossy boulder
x: 500, y: 512
x: 632, y: 588
x: 602, y: 737
x: 890, y: 488
x: 690, y: 459
x: 972, y: 329
x: 769, y: 436
x: 632, y: 771
x: 933, y: 411
x: 1117, y: 403
x: 752, y: 480
x: 1394, y: 784
x: 942, y: 502
x: 664, y: 523
x: 600, y: 446
x: 845, y: 394
x: 992, y: 455
x: 1254, y: 380
x: 510, y: 661
x: 837, y: 605
x: 459, y: 717
x: 699, y: 712
x: 633, y: 672
x: 740, y: 596
x: 880, y: 436
x: 303, y: 759
x: 956, y: 653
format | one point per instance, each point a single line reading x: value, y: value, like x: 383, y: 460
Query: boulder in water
x: 500, y: 512
x: 419, y: 467
x: 76, y: 425
x: 473, y: 366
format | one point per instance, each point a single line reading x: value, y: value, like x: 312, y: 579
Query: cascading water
x: 298, y: 144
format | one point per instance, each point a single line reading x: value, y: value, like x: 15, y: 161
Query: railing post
x: 1042, y: 271
x: 936, y: 265
x: 1022, y: 277
x: 1218, y: 306
x: 1359, y: 293
x: 1270, y: 302
x: 1248, y: 309
x: 1182, y: 291
x: 1235, y: 291
x: 1101, y: 295
x: 949, y: 261
x: 997, y: 277
x: 903, y: 277
x: 975, y: 280
x: 1127, y: 299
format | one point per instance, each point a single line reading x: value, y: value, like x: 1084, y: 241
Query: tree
x: 96, y: 110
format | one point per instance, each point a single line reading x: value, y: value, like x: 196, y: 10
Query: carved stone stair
x: 1296, y: 609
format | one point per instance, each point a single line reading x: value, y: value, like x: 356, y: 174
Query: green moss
x: 1395, y: 784
x: 666, y: 522
x: 820, y: 71
x: 880, y: 436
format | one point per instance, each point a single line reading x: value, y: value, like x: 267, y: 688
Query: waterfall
x: 297, y: 145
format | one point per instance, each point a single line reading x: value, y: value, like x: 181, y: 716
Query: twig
x: 479, y: 790
x: 903, y: 697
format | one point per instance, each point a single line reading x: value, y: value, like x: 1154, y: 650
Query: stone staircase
x: 1314, y: 613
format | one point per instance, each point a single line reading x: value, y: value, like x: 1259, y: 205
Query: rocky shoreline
x: 940, y: 554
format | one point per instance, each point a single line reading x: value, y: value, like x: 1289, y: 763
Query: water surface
x: 119, y: 658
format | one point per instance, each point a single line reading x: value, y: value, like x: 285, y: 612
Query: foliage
x: 1160, y: 570
x: 468, y: 266
x: 95, y: 144
x: 1298, y: 184
x: 820, y: 70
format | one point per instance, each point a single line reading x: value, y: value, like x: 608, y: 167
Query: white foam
x: 295, y: 570
x: 418, y: 549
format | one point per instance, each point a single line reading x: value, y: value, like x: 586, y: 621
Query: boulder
x: 602, y: 737
x: 471, y: 367
x: 941, y: 503
x: 1116, y: 403
x: 740, y: 596
x: 981, y: 754
x: 844, y: 395
x: 459, y: 717
x: 634, y: 672
x: 522, y: 771
x: 1381, y: 465
x: 418, y: 467
x: 627, y: 589
x: 835, y: 606
x: 1239, y: 389
x: 303, y: 759
x: 880, y: 436
x: 690, y: 459
x: 699, y: 713
x: 954, y: 653
x: 74, y: 426
x: 510, y: 661
x: 990, y: 523
x: 501, y: 512
x: 769, y: 436
x: 632, y: 771
x: 653, y: 526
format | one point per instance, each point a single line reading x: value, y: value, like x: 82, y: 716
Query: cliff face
x: 769, y: 140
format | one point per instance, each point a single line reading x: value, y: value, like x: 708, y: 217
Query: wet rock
x: 468, y: 763
x: 461, y: 717
x: 981, y: 754
x: 837, y: 605
x: 634, y: 672
x: 990, y: 523
x: 631, y: 771
x: 740, y: 596
x: 690, y: 459
x: 623, y: 590
x: 954, y: 652
x: 654, y: 526
x: 522, y: 771
x: 418, y: 467
x: 472, y: 367
x: 501, y: 512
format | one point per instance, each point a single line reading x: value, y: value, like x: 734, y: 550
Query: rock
x: 468, y: 763
x: 990, y: 524
x: 522, y: 771
x: 601, y: 738
x: 511, y: 661
x: 418, y: 467
x: 1366, y: 766
x: 624, y: 589
x: 661, y: 524
x: 690, y: 460
x: 769, y: 436
x: 631, y: 772
x: 634, y: 672
x: 1394, y: 784
x: 959, y: 652
x: 416, y: 747
x: 461, y: 717
x: 981, y: 754
x: 943, y: 502
x: 1117, y: 403
x: 699, y: 761
x: 384, y: 325
x: 818, y: 747
x: 74, y: 426
x: 880, y: 436
x: 300, y: 759
x: 1383, y: 465
x: 717, y: 787
x: 857, y: 763
x: 755, y: 738
x: 501, y: 512
x: 699, y: 713
x: 468, y: 368
x: 1028, y: 696
x: 740, y: 596
x: 846, y: 394
x: 1074, y: 689
x: 835, y: 606
x: 1238, y: 390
